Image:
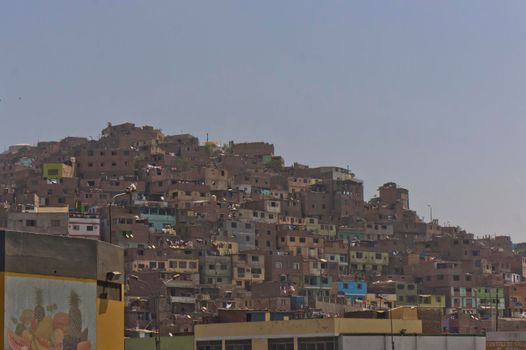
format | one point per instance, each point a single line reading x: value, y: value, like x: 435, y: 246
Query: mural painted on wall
x: 49, y: 314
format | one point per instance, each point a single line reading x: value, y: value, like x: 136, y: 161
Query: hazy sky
x: 429, y: 94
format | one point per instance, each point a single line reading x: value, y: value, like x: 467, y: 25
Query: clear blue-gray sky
x: 429, y: 94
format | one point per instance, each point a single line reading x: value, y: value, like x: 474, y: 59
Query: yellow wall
x: 299, y: 328
x: 2, y: 305
x: 259, y: 344
x: 53, y: 166
x: 434, y: 303
x: 110, y: 324
x: 405, y: 313
x: 62, y: 170
x: 222, y: 247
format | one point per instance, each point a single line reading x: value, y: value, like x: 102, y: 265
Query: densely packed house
x: 214, y: 231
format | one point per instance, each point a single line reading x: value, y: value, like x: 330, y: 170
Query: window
x: 193, y: 265
x: 182, y: 264
x: 255, y: 258
x: 400, y: 286
x: 302, y: 239
x: 359, y: 255
x: 411, y: 286
x: 233, y: 224
x: 411, y: 298
x: 223, y: 267
x: 31, y: 223
x: 456, y: 278
x: 317, y: 343
x: 89, y: 228
x: 245, y: 344
x: 76, y: 227
x: 281, y: 344
x: 378, y: 256
x: 292, y: 239
x: 209, y: 345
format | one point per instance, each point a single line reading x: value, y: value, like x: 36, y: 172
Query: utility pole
x: 128, y: 191
x: 156, y: 298
x: 391, y: 320
x: 430, y: 213
x: 497, y: 309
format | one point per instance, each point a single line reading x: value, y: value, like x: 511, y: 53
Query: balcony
x: 203, y: 297
x: 180, y: 284
x: 183, y: 300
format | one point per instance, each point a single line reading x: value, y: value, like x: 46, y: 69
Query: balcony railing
x: 183, y: 300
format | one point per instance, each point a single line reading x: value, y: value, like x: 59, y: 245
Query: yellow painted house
x: 226, y: 247
x: 431, y: 301
x: 56, y: 171
x: 59, y: 292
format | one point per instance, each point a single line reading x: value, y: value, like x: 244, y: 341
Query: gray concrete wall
x: 110, y: 258
x: 50, y: 255
x: 413, y: 342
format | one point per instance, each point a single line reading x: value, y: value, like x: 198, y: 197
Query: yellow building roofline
x: 52, y: 209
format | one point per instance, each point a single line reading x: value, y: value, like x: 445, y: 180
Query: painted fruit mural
x: 49, y: 314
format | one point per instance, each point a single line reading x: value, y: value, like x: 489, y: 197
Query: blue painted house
x: 354, y: 290
x: 159, y: 218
